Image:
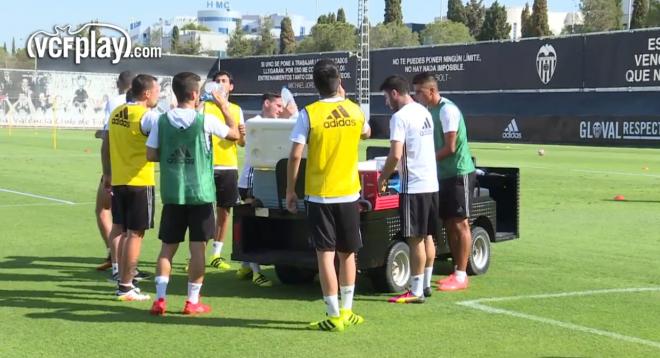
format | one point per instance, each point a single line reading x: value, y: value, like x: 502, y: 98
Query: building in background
x: 557, y: 20
x: 221, y: 19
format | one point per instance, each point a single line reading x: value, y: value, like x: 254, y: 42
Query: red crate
x: 371, y: 193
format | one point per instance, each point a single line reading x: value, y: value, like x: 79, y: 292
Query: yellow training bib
x: 332, y: 157
x: 128, y: 147
x: 225, y: 152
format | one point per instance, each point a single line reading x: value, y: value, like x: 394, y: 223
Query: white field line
x: 477, y: 304
x: 606, y: 172
x: 44, y: 204
x: 37, y: 196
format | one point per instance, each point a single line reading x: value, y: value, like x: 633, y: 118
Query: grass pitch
x: 574, y: 240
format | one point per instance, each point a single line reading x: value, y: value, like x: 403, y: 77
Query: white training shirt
x: 412, y: 125
x: 183, y: 118
x: 299, y: 135
x: 241, y: 120
x: 245, y: 180
x: 450, y: 116
x: 110, y: 106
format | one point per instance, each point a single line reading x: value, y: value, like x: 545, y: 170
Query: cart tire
x: 291, y: 275
x: 479, y: 259
x: 395, y: 275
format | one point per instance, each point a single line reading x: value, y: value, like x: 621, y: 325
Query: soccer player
x: 271, y: 107
x: 181, y: 143
x: 412, y: 150
x: 331, y: 128
x: 225, y: 164
x: 456, y: 172
x: 130, y: 177
x: 103, y: 198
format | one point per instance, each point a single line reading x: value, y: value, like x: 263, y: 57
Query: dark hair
x: 424, y: 78
x: 395, y: 83
x: 124, y: 80
x: 184, y: 84
x: 270, y: 96
x: 224, y: 73
x: 141, y: 83
x: 130, y: 97
x: 326, y: 77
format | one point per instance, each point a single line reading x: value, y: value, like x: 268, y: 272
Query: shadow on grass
x: 633, y: 201
x: 122, y: 312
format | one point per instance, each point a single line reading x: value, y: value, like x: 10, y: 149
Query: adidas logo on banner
x: 511, y: 131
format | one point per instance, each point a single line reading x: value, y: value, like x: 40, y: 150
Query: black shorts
x: 335, y: 227
x: 245, y: 193
x: 133, y: 207
x: 199, y: 220
x: 456, y: 196
x: 226, y: 187
x: 419, y: 214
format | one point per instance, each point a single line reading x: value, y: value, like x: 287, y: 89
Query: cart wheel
x: 395, y: 275
x: 291, y: 275
x: 479, y: 259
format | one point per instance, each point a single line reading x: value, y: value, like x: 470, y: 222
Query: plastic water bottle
x: 209, y: 88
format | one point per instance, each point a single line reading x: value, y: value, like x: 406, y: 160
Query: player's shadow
x: 50, y: 302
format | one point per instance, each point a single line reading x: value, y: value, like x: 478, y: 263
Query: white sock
x: 161, y: 286
x: 460, y: 276
x: 193, y: 292
x: 217, y: 248
x: 428, y: 272
x: 255, y: 267
x: 115, y: 268
x: 417, y: 285
x: 347, y: 297
x: 332, y: 305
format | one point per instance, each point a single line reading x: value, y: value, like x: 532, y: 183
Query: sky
x: 20, y: 19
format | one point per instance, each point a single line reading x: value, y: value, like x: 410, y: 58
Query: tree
x: 474, y: 15
x: 191, y: 47
x: 191, y: 26
x: 392, y: 35
x: 456, y: 11
x: 266, y: 45
x: 539, y: 19
x: 495, y: 26
x: 653, y: 17
x: 156, y: 37
x: 393, y: 12
x: 526, y: 22
x: 640, y: 11
x: 600, y: 15
x: 174, y: 40
x: 238, y: 45
x: 337, y: 36
x: 341, y: 15
x: 445, y: 32
x: 13, y: 46
x: 287, y: 37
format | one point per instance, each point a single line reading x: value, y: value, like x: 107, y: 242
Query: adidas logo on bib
x: 511, y: 131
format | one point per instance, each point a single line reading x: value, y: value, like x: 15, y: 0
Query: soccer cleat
x: 428, y: 292
x: 196, y: 308
x: 106, y: 264
x: 132, y: 295
x: 442, y: 280
x: 260, y: 280
x: 453, y: 285
x: 219, y: 263
x: 158, y: 307
x: 244, y: 273
x: 407, y: 297
x: 141, y: 275
x: 331, y: 324
x: 349, y: 318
